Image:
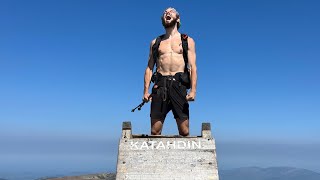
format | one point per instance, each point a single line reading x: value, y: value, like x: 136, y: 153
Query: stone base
x: 143, y: 157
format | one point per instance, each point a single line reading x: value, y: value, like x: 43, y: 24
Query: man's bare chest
x: 170, y: 47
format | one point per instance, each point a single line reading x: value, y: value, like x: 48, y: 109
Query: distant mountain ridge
x: 272, y: 173
x: 244, y: 173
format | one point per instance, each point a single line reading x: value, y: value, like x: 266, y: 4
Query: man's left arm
x: 193, y: 69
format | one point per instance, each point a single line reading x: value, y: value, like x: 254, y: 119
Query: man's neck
x: 171, y: 32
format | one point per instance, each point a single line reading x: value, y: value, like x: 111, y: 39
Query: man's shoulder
x: 190, y: 40
x: 157, y: 38
x: 153, y: 41
x: 187, y: 37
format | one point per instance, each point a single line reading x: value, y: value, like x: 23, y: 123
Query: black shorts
x: 172, y: 98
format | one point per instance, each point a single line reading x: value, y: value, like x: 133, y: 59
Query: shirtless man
x: 170, y: 63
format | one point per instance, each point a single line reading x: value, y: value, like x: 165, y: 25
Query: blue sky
x: 74, y: 69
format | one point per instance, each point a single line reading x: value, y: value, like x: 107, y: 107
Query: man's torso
x: 170, y: 60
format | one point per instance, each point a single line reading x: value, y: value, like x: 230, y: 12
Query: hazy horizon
x: 100, y: 153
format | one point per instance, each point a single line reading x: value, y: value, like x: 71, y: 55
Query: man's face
x: 169, y: 18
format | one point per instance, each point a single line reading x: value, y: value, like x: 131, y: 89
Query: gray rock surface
x: 246, y: 173
x: 272, y: 173
x: 104, y: 176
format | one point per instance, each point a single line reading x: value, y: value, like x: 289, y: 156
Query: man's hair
x: 178, y: 16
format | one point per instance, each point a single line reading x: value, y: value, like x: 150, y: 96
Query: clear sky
x: 71, y: 71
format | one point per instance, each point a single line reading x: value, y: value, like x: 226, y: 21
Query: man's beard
x: 170, y: 24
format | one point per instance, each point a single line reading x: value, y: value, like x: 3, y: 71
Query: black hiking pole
x: 140, y: 105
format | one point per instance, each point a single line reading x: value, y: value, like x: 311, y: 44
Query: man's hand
x: 191, y: 96
x: 146, y: 97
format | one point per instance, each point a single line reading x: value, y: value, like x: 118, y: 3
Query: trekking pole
x: 140, y: 105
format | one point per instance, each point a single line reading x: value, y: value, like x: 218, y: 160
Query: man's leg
x: 156, y: 126
x: 183, y: 126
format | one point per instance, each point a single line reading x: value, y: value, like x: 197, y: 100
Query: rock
x: 104, y: 176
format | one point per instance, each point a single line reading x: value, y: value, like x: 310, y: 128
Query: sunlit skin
x: 170, y: 61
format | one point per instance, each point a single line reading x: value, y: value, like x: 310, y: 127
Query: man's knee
x: 156, y: 126
x: 155, y: 131
x: 184, y: 131
x: 183, y: 126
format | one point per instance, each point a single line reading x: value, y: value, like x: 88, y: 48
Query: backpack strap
x: 155, y: 47
x: 184, y: 40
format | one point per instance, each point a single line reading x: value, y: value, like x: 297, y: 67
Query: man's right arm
x: 148, y: 74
